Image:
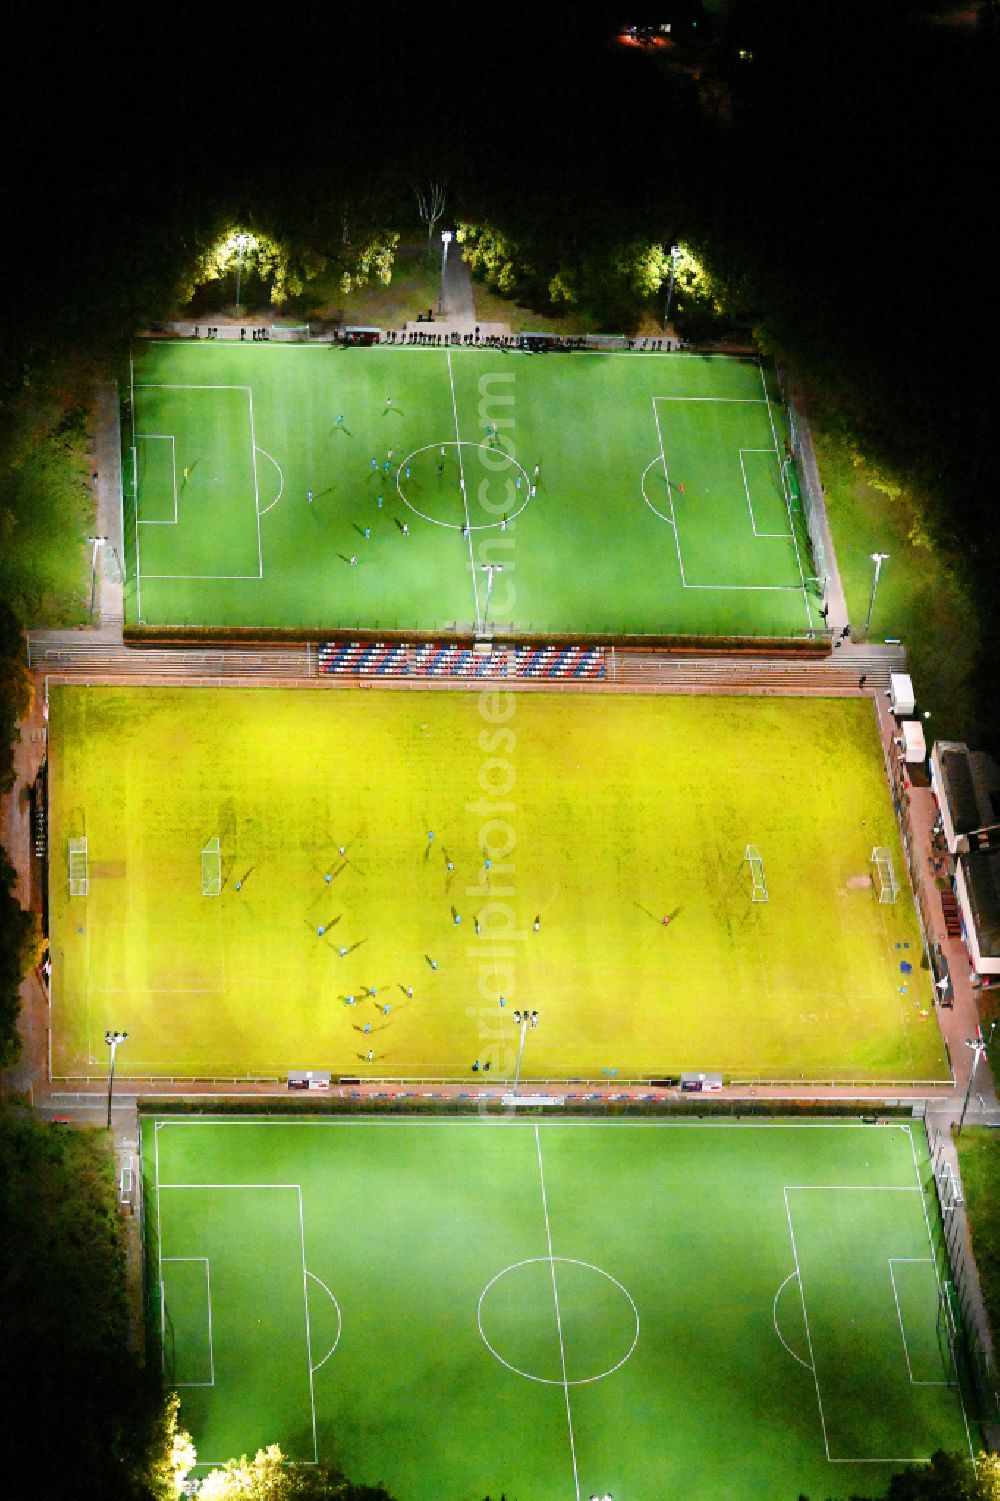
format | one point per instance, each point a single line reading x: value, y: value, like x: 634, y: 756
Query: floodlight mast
x: 489, y: 569
x: 675, y: 251
x: 878, y: 558
x: 979, y: 1045
x: 446, y: 238
x: 241, y: 243
x: 524, y: 1019
x: 113, y: 1040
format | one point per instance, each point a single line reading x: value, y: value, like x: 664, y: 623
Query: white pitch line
x: 135, y: 483
x: 555, y: 1296
x: 666, y: 476
x: 941, y: 1290
x: 208, y: 1291
x: 166, y: 438
x: 209, y: 577
x: 281, y: 479
x: 465, y: 498
x: 305, y: 1297
x: 159, y: 1252
x: 746, y: 486
x: 256, y: 487
x: 774, y: 1315
x: 805, y: 1317
x: 921, y: 1261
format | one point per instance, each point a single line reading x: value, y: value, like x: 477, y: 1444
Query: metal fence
x: 810, y: 494
x: 950, y: 1235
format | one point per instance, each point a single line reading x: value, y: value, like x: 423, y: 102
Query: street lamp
x: 446, y: 239
x: 675, y: 251
x: 878, y: 558
x: 524, y: 1020
x: 489, y: 569
x: 97, y: 543
x: 241, y: 244
x: 113, y: 1039
x: 978, y: 1044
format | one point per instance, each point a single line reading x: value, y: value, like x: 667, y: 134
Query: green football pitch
x: 471, y: 1307
x: 565, y: 829
x: 660, y: 504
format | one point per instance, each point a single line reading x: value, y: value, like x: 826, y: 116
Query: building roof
x: 972, y: 787
x: 982, y: 881
x: 959, y: 789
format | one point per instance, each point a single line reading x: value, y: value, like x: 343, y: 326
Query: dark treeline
x: 827, y: 160
x: 81, y: 1418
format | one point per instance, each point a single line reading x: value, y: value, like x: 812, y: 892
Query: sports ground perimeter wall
x: 817, y: 646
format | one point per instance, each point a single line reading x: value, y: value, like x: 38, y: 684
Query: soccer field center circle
x: 541, y: 1348
x: 459, y: 525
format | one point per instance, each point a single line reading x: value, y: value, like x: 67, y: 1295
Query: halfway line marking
x: 555, y: 1295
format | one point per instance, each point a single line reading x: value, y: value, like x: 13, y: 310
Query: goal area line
x: 138, y: 437
x: 172, y: 1187
x: 873, y: 1188
x: 741, y: 449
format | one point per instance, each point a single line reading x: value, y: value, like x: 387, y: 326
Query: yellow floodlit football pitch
x: 373, y: 882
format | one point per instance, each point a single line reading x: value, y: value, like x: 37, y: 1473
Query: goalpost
x: 211, y: 868
x: 885, y: 875
x: 79, y: 882
x: 949, y: 1188
x: 758, y: 889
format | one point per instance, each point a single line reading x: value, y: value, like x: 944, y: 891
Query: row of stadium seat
x: 378, y: 659
x: 560, y: 662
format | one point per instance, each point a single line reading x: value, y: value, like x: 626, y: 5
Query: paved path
x: 457, y: 300
x: 835, y: 598
x: 111, y: 579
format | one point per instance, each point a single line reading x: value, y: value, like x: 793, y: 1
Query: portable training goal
x: 885, y: 875
x: 758, y: 881
x: 79, y: 881
x: 211, y: 868
x: 949, y: 1188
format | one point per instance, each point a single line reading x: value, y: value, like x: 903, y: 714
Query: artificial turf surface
x: 599, y: 815
x: 468, y: 1308
x: 660, y: 505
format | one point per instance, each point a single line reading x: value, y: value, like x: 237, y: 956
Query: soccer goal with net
x: 758, y: 880
x: 885, y: 875
x: 211, y: 868
x: 79, y: 881
x: 949, y: 1188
